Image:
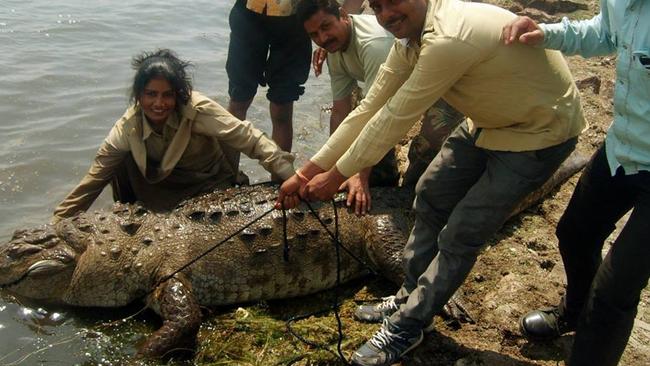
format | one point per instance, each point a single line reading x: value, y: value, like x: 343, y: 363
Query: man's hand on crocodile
x: 358, y: 192
x: 294, y: 186
x: 318, y: 59
x: 323, y: 186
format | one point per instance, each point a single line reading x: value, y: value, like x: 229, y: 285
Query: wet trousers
x: 129, y: 186
x: 462, y: 199
x: 604, y: 294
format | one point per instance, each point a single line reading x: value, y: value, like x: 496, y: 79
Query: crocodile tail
x: 385, y: 244
x: 574, y: 163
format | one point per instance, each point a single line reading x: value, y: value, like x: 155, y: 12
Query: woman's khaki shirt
x: 198, y: 147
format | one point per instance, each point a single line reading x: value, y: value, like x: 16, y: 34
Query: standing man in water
x: 356, y: 46
x: 602, y: 296
x: 520, y: 127
x: 268, y: 47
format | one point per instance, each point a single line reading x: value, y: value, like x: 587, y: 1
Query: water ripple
x: 64, y: 79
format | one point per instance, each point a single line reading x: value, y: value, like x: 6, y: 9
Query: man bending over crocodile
x: 356, y: 46
x: 520, y: 127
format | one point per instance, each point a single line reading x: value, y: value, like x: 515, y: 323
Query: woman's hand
x: 292, y: 187
x: 288, y: 197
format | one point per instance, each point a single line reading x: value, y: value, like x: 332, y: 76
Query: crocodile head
x: 39, y: 263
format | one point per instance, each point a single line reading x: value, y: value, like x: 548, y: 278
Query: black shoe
x: 545, y: 324
x: 387, y: 346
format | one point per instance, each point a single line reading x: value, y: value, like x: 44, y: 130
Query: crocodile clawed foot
x: 174, y: 302
x: 455, y: 313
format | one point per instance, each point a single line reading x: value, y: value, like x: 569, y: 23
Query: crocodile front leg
x: 174, y: 302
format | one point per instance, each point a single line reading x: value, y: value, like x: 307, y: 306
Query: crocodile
x: 203, y: 253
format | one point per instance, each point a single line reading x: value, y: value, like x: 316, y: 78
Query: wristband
x: 302, y: 176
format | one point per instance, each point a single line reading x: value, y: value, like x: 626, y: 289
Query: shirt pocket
x: 639, y: 84
x: 641, y: 61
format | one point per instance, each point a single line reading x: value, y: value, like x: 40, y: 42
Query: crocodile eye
x: 64, y: 257
x: 40, y: 237
x: 19, y: 233
x: 21, y: 250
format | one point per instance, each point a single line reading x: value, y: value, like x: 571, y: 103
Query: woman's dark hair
x: 307, y: 8
x: 161, y: 64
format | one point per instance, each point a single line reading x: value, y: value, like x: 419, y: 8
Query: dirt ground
x: 520, y: 270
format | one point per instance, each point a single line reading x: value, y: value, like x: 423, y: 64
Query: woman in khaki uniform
x: 171, y: 144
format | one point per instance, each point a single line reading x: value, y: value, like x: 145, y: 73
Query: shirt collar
x: 428, y: 19
x: 172, y: 121
x: 352, y: 35
x: 146, y: 129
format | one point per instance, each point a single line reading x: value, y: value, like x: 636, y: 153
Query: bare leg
x: 281, y: 117
x: 239, y: 109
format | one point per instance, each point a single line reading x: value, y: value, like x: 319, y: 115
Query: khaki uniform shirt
x: 200, y: 146
x: 273, y: 7
x: 368, y: 49
x: 522, y: 98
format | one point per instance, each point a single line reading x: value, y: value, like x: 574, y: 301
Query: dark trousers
x: 604, y: 293
x: 462, y: 199
x: 385, y: 173
x: 266, y: 50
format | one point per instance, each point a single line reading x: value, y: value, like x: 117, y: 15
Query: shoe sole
x: 417, y: 343
x: 375, y: 321
x: 429, y: 328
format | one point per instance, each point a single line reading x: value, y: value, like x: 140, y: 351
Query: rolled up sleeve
x: 440, y: 64
x: 390, y: 77
x: 214, y: 120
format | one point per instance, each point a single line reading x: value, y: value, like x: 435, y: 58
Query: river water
x: 64, y: 78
